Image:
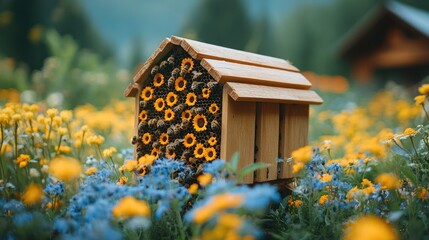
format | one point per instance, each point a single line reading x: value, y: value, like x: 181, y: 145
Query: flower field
x: 70, y: 174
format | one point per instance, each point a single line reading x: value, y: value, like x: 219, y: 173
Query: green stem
x: 405, y: 150
x: 16, y: 139
x: 59, y: 145
x: 424, y: 109
x: 3, y: 175
x: 48, y: 138
x: 32, y: 137
x: 179, y: 221
x: 414, y: 146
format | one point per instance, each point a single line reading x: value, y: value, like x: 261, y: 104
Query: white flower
x: 44, y: 169
x: 34, y: 173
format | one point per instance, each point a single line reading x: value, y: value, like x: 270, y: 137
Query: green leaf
x: 232, y: 165
x: 409, y: 174
x: 250, y: 169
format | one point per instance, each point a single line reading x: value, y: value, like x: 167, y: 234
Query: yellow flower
x: 191, y: 99
x: 424, y: 89
x: 186, y: 115
x: 65, y: 168
x: 323, y: 199
x: 108, y: 152
x: 302, y: 154
x: 419, y: 100
x: 212, y: 141
x: 52, y: 112
x: 146, y: 159
x: 158, y: 80
x: 388, y: 181
x: 206, y: 93
x: 193, y: 188
x: 129, y: 165
x: 409, y: 132
x: 189, y: 140
x: 22, y: 160
x: 29, y: 115
x: 171, y: 99
x: 155, y: 152
x: 351, y: 193
x: 422, y: 193
x: 216, y: 204
x: 369, y: 227
x: 163, y: 139
x: 199, y: 151
x: 147, y: 137
x: 159, y: 104
x: 123, y: 180
x: 200, y: 123
x: 297, y: 203
x: 205, y: 179
x: 210, y: 154
x: 169, y: 115
x: 62, y: 131
x: 95, y: 140
x: 66, y: 115
x: 131, y: 207
x: 143, y: 115
x: 32, y: 195
x: 214, y: 108
x: 189, y: 62
x: 180, y: 84
x: 325, y: 177
x: 297, y: 167
x: 147, y: 94
x: 91, y: 170
x: 63, y: 149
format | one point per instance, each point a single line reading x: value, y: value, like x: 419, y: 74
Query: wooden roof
x: 232, y: 66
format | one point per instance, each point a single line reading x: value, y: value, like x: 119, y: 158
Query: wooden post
x: 267, y: 141
x: 238, y: 131
x: 293, y: 133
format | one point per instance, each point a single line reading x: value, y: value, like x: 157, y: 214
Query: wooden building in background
x: 390, y: 43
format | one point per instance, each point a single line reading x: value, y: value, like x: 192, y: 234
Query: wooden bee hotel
x: 196, y: 102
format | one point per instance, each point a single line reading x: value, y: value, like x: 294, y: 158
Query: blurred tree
x: 262, y: 39
x: 220, y: 22
x: 23, y: 24
x: 136, y: 56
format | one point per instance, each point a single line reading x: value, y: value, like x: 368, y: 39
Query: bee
x: 199, y: 170
x: 154, y: 70
x: 184, y: 70
x: 141, y: 127
x: 163, y: 65
x: 197, y: 110
x: 176, y: 129
x: 170, y: 130
x: 170, y: 82
x: 161, y: 154
x: 171, y: 147
x: 192, y: 160
x: 152, y: 123
x: 134, y: 140
x: 141, y: 170
x: 175, y: 72
x: 184, y: 125
x: 179, y: 108
x: 143, y: 104
x: 195, y: 75
x: 185, y: 155
x: 170, y: 60
x: 155, y: 144
x: 160, y: 124
x: 195, y: 85
x: 212, y: 84
x: 215, y: 125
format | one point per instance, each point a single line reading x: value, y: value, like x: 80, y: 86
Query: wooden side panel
x: 224, y: 71
x: 155, y: 57
x: 293, y: 133
x: 238, y: 131
x: 136, y: 117
x: 267, y: 140
x: 200, y: 50
x: 257, y: 93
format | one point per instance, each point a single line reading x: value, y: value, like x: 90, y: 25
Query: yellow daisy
x: 180, y: 84
x: 214, y: 108
x: 147, y: 93
x: 159, y: 104
x: 171, y: 99
x: 146, y: 138
x: 189, y: 140
x: 210, y: 154
x: 199, y: 151
x: 191, y: 99
x: 158, y: 80
x: 169, y: 115
x: 200, y: 123
x: 189, y: 62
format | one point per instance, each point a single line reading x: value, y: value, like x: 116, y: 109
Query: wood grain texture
x: 224, y: 71
x: 293, y: 133
x: 238, y: 131
x: 200, y: 50
x: 257, y: 93
x: 154, y: 58
x: 131, y: 90
x: 267, y: 140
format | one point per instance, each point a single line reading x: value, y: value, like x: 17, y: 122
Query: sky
x: 122, y: 22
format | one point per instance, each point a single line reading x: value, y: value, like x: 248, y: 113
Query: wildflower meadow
x: 65, y: 174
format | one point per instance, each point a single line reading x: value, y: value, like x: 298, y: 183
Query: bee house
x: 196, y: 102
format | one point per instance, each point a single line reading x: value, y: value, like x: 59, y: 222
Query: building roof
x: 227, y: 65
x: 413, y: 18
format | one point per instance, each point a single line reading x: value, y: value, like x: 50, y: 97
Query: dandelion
x: 210, y: 154
x: 91, y: 170
x: 302, y: 154
x: 143, y: 115
x: 189, y: 140
x: 171, y: 99
x: 191, y: 99
x: 163, y: 139
x: 199, y: 151
x: 186, y: 115
x: 200, y: 123
x: 147, y: 94
x: 32, y: 195
x: 158, y: 80
x: 189, y: 62
x: 169, y: 115
x: 65, y: 168
x: 131, y: 207
x: 52, y: 112
x: 214, y: 108
x: 180, y: 84
x: 388, y: 181
x: 369, y: 227
x: 108, y: 152
x: 159, y: 104
x: 63, y: 149
x: 66, y: 115
x: 146, y: 138
x: 205, y: 179
x: 206, y: 93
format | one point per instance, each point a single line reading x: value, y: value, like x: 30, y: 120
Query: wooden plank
x: 238, y: 131
x: 131, y: 90
x: 267, y: 140
x: 200, y: 50
x: 224, y: 71
x: 136, y: 116
x: 154, y: 58
x: 257, y: 93
x: 293, y: 133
